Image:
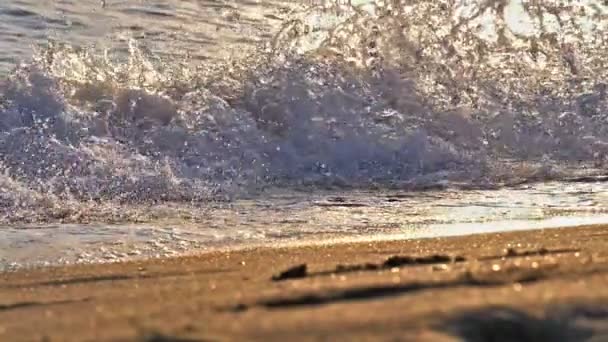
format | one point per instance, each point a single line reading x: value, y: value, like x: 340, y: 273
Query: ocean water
x: 295, y: 218
x: 201, y: 117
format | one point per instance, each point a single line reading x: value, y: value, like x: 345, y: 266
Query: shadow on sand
x: 574, y: 322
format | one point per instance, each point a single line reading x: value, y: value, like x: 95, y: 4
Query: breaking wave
x: 398, y: 95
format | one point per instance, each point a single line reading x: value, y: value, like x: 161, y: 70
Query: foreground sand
x: 546, y: 285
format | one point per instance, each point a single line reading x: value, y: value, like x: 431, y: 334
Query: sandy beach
x: 541, y: 285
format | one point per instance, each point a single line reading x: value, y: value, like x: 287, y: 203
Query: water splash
x: 392, y: 95
x: 288, y: 218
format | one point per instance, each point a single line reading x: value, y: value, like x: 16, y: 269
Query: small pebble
x: 442, y: 267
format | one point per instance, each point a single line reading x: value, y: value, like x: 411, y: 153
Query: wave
x: 395, y: 95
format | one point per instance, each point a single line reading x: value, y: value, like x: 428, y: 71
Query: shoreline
x: 429, y: 231
x: 435, y: 289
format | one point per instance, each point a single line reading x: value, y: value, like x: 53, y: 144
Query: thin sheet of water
x: 320, y: 217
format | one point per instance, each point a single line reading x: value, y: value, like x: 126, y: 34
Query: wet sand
x: 543, y: 285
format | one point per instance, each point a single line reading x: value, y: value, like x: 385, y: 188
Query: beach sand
x: 543, y: 285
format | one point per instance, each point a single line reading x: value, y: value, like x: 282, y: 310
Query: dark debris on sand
x: 299, y: 271
x: 513, y: 253
x: 484, y: 279
x: 398, y: 261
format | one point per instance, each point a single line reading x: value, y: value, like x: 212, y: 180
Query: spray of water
x: 394, y: 94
